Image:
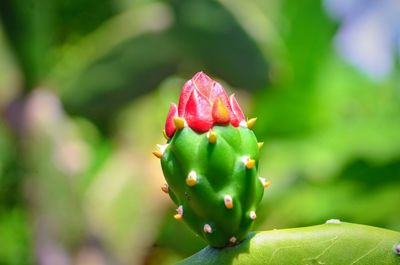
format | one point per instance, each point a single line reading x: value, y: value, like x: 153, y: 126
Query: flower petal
x: 238, y: 113
x: 203, y: 83
x: 198, y: 112
x: 218, y: 91
x: 169, y: 123
x: 220, y: 112
x: 185, y: 94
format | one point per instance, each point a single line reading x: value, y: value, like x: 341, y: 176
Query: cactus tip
x: 253, y: 215
x: 161, y: 148
x: 191, y: 179
x: 248, y: 162
x: 260, y: 145
x: 165, y: 188
x: 396, y: 249
x: 212, y: 137
x: 179, y: 122
x: 265, y: 183
x: 251, y: 122
x: 333, y: 221
x: 178, y: 217
x: 179, y: 214
x: 165, y: 135
x: 228, y: 201
x: 158, y: 154
x: 207, y: 229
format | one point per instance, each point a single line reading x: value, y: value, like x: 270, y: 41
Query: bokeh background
x: 85, y: 87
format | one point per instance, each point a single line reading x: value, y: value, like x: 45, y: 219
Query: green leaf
x: 331, y: 243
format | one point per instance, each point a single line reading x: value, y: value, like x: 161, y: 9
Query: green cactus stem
x: 213, y: 179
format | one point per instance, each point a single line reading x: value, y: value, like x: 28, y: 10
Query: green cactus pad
x: 216, y: 193
x: 334, y: 243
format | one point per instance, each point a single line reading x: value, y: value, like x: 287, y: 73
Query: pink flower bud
x: 203, y: 102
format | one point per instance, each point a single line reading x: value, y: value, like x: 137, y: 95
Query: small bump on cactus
x: 260, y: 144
x: 157, y: 154
x: 265, y: 182
x: 179, y: 214
x: 179, y: 123
x: 212, y: 137
x: 250, y: 123
x: 191, y: 179
x: 228, y: 201
x: 165, y: 188
x: 207, y: 229
x: 397, y: 249
x: 248, y: 162
x: 253, y: 215
x: 211, y: 163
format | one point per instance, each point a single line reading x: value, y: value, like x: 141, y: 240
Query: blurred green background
x: 85, y: 87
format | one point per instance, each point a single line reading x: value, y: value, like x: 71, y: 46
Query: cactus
x: 331, y: 243
x: 210, y: 163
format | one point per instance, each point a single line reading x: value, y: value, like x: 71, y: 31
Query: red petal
x: 198, y: 112
x: 169, y: 123
x: 220, y: 112
x: 218, y: 91
x: 203, y: 83
x: 238, y: 113
x: 185, y: 94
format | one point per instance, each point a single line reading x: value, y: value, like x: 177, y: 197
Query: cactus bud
x: 211, y: 163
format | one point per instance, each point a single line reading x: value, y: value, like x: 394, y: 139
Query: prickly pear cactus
x: 210, y: 163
